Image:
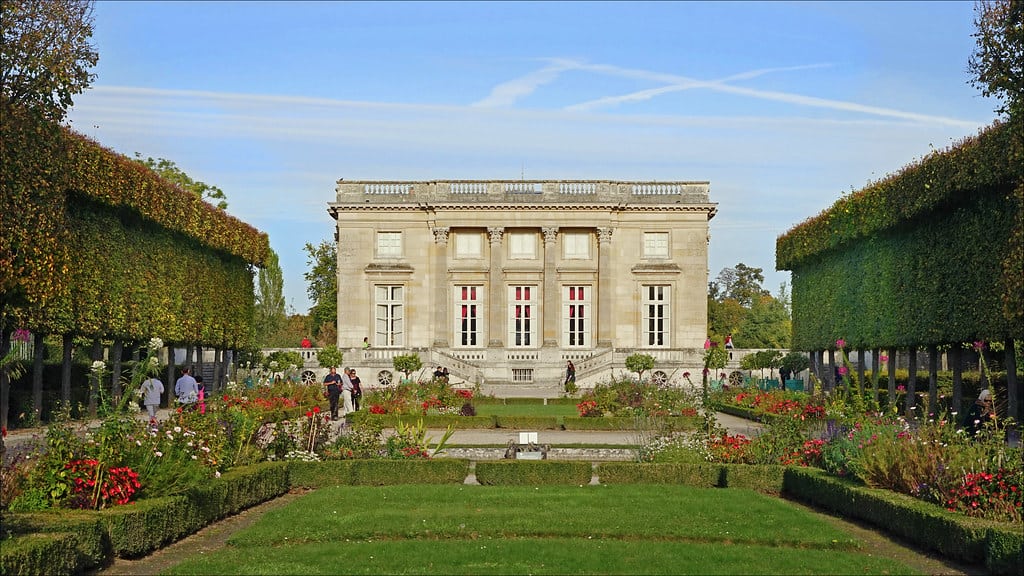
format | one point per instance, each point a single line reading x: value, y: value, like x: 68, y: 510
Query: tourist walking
x: 152, y: 389
x: 186, y: 389
x: 981, y: 412
x: 357, y: 389
x: 346, y: 392
x: 570, y: 373
x: 333, y: 383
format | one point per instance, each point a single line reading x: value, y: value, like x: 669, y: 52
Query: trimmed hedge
x: 378, y: 472
x: 529, y: 422
x: 63, y: 544
x: 533, y: 472
x: 998, y: 546
x: 764, y: 479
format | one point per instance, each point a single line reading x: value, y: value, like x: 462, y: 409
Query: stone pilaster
x: 551, y: 293
x: 442, y: 296
x: 605, y: 325
x: 496, y: 298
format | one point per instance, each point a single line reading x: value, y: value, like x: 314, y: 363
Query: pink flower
x: 979, y: 345
x: 840, y: 343
x: 883, y: 358
x: 843, y: 370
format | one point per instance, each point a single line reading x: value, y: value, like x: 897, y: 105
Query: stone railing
x: 554, y: 191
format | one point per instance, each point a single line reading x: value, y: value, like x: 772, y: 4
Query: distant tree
x: 269, y: 310
x: 639, y: 363
x: 795, y: 362
x: 46, y: 54
x: 724, y: 317
x: 407, y: 363
x: 741, y: 283
x: 169, y: 171
x: 290, y: 333
x: 330, y: 357
x: 997, y: 63
x: 766, y: 324
x: 322, y: 284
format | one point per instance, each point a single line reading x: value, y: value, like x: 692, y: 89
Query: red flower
x: 316, y: 409
x: 309, y: 414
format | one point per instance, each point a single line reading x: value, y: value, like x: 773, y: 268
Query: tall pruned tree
x: 168, y: 170
x: 741, y: 283
x: 269, y: 310
x: 46, y: 55
x: 322, y: 284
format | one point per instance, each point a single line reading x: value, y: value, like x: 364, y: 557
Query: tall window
x: 522, y: 245
x: 655, y: 244
x: 576, y: 245
x: 390, y: 322
x: 468, y: 245
x: 389, y: 244
x: 522, y: 311
x: 656, y: 315
x: 576, y: 315
x: 467, y: 309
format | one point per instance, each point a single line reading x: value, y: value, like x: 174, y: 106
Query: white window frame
x: 522, y: 245
x: 389, y: 244
x: 469, y: 245
x: 469, y: 316
x: 656, y: 315
x: 576, y: 245
x: 389, y: 315
x: 656, y: 244
x: 523, y: 320
x: 576, y: 315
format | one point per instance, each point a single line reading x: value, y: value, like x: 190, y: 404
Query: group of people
x: 345, y: 387
x: 441, y: 373
x: 189, y: 391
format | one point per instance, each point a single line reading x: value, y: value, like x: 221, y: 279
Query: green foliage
x: 330, y: 357
x: 639, y: 363
x: 997, y: 63
x: 46, y: 54
x: 322, y: 283
x: 281, y: 360
x: 269, y: 301
x: 169, y: 171
x: 742, y: 284
x: 407, y: 363
x: 886, y: 251
x: 795, y: 362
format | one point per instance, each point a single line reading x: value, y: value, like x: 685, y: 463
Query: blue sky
x: 783, y: 107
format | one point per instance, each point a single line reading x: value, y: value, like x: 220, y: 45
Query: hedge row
x: 519, y: 422
x: 71, y: 542
x: 999, y: 546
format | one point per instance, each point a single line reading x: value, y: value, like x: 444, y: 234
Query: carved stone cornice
x: 494, y: 234
x: 550, y: 234
x: 604, y: 235
x: 441, y: 235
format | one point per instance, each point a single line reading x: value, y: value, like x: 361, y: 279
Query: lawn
x: 641, y: 529
x: 526, y: 410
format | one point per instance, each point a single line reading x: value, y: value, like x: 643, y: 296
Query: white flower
x: 159, y: 454
x: 98, y: 365
x: 216, y: 474
x: 155, y: 343
x: 177, y: 429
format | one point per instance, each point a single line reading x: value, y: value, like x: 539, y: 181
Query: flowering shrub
x: 631, y: 398
x: 999, y: 496
x: 729, y: 449
x: 588, y: 409
x: 433, y: 395
x: 786, y: 403
x: 810, y: 454
x: 93, y: 488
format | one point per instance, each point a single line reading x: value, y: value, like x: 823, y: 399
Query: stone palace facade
x: 502, y: 282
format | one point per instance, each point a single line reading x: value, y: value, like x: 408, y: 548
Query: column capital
x: 604, y: 235
x: 550, y: 234
x: 441, y: 235
x: 494, y: 234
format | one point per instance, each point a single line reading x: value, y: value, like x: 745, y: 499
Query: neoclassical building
x: 502, y: 282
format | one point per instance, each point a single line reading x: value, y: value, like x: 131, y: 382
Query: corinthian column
x: 550, y: 286
x: 604, y: 288
x: 442, y: 324
x: 496, y: 292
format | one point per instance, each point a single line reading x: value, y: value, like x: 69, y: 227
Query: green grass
x: 639, y: 529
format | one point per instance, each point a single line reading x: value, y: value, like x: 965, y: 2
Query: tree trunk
x: 198, y: 367
x: 115, y: 371
x: 5, y: 378
x: 875, y: 355
x: 94, y: 383
x: 68, y: 342
x: 169, y: 379
x: 911, y: 399
x: 1013, y: 385
x: 38, y: 355
x: 860, y: 372
x: 956, y: 359
x: 832, y: 369
x: 933, y: 377
x: 891, y: 400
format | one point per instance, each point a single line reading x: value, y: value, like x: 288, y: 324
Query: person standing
x: 570, y: 373
x: 357, y: 389
x: 346, y: 392
x: 186, y: 388
x: 333, y: 383
x: 152, y: 389
x: 728, y: 342
x: 783, y: 376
